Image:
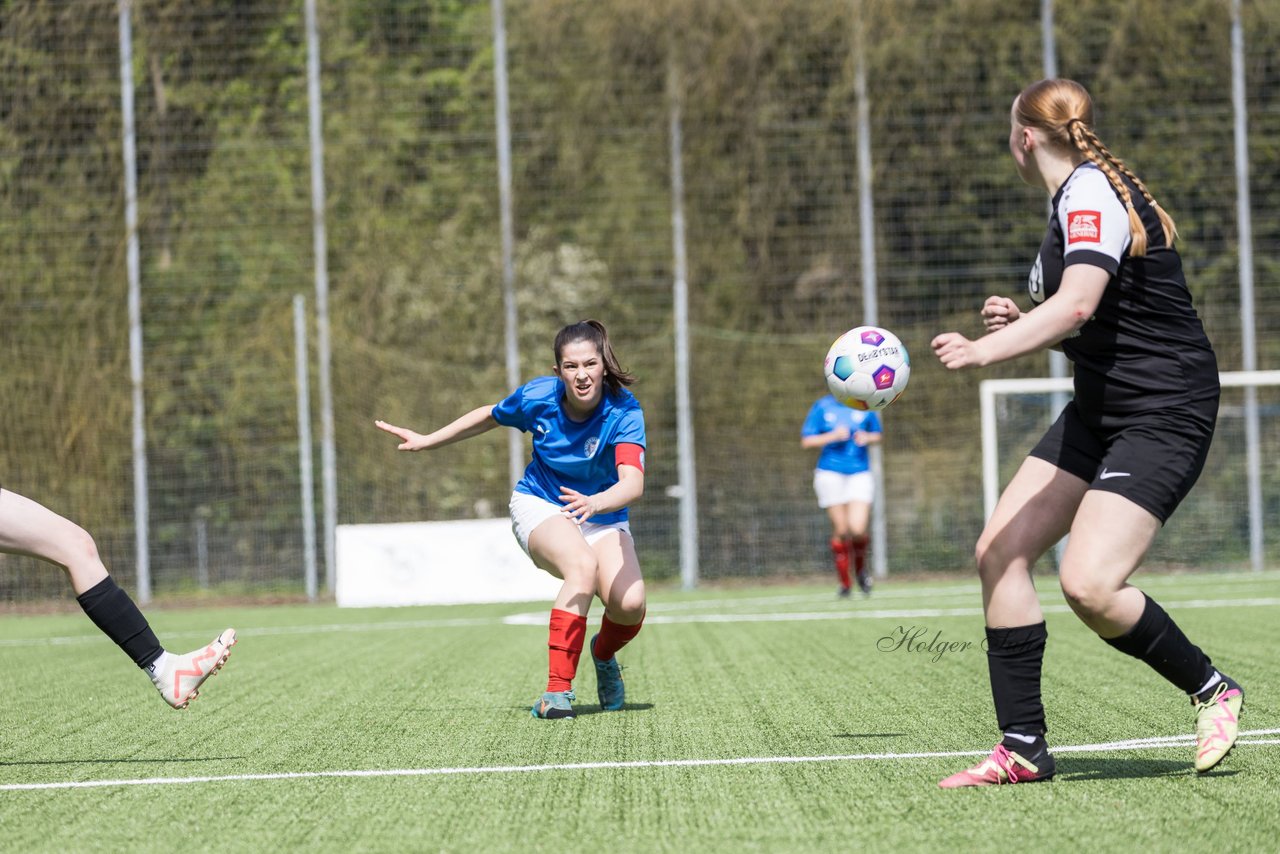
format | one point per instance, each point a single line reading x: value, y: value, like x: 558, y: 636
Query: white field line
x: 327, y: 628
x: 964, y: 591
x: 815, y: 600
x: 539, y: 618
x: 1105, y: 747
x: 1173, y: 582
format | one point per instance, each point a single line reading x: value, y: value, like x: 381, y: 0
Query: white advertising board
x: 436, y: 563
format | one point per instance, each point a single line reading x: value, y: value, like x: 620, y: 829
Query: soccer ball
x: 867, y: 368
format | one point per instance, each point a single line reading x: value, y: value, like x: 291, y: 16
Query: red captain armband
x: 628, y: 454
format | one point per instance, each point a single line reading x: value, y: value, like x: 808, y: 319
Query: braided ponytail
x: 1063, y: 110
x: 1088, y: 143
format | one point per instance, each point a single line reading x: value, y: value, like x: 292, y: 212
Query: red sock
x: 613, y: 637
x: 859, y: 546
x: 840, y: 549
x: 564, y: 641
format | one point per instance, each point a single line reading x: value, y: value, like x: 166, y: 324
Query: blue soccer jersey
x: 846, y: 457
x: 576, y: 454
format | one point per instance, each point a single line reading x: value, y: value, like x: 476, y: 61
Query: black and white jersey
x: 1144, y: 348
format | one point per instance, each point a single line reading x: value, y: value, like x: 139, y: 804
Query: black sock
x: 113, y: 611
x: 1014, y: 659
x: 1157, y: 640
x: 1027, y: 746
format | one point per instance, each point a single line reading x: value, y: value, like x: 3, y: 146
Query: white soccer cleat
x: 183, y: 675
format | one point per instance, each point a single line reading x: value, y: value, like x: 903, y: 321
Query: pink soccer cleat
x: 1217, y: 724
x: 1002, y: 766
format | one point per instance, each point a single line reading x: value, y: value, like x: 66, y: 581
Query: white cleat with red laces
x: 179, y: 682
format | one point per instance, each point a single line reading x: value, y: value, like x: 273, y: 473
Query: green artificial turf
x: 760, y: 719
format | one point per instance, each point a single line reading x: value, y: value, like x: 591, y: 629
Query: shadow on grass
x: 1082, y: 769
x: 581, y: 709
x: 4, y: 764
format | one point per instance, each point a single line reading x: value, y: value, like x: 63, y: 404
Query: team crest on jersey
x: 589, y: 447
x: 1084, y: 227
x: 1035, y: 282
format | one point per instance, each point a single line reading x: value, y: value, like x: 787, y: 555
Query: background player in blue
x: 569, y: 511
x: 842, y: 480
x: 1108, y: 286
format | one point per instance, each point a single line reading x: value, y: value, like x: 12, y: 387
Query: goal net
x: 1229, y: 519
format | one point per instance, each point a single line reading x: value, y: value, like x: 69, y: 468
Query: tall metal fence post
x: 328, y: 452
x: 304, y: 445
x: 688, y: 491
x: 870, y: 283
x: 141, y: 504
x: 502, y: 110
x: 1248, y: 338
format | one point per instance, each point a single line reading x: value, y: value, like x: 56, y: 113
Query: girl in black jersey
x: 1108, y: 288
x: 28, y: 528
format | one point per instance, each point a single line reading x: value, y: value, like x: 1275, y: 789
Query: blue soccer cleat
x: 609, y: 685
x: 554, y: 705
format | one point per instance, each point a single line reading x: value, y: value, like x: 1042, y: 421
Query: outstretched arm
x: 474, y: 423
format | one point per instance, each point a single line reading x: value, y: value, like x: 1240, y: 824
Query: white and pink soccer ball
x: 867, y: 368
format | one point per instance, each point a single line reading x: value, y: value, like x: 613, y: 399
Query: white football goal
x: 1015, y: 412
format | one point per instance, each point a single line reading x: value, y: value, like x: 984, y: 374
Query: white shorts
x: 530, y: 511
x: 834, y: 488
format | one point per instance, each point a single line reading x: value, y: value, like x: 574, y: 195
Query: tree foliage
x: 766, y: 97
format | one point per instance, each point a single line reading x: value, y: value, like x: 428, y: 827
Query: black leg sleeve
x: 1015, y: 658
x: 113, y: 611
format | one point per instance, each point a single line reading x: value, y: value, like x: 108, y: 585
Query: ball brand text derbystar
x: 877, y: 354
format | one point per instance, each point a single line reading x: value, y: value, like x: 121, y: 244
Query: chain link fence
x: 765, y: 94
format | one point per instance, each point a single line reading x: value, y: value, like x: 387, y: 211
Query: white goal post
x: 988, y: 390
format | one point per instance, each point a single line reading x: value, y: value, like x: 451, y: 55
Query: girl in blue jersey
x: 1108, y: 287
x: 842, y: 481
x: 569, y: 511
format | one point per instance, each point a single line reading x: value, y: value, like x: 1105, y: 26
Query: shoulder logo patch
x: 1084, y: 227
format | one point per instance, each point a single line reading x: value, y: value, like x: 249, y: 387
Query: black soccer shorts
x: 1151, y: 458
